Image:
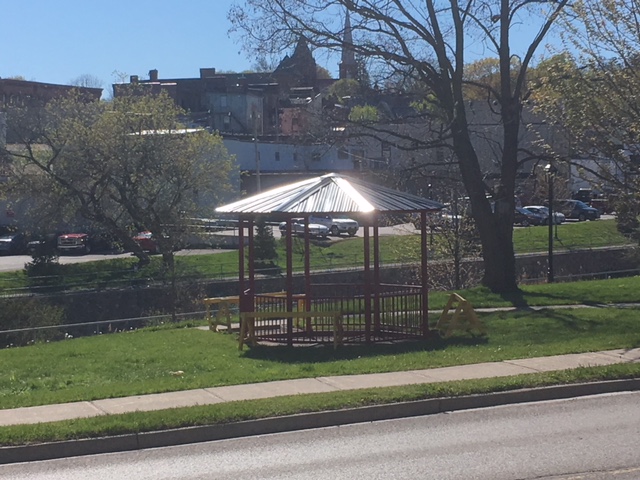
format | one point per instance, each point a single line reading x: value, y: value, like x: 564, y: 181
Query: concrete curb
x: 182, y: 436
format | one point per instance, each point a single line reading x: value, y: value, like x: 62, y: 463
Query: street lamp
x: 550, y: 170
x: 256, y: 118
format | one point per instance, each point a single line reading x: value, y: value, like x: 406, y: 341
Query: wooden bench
x: 224, y: 312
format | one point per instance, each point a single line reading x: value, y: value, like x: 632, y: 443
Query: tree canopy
x: 430, y: 42
x: 591, y: 88
x: 124, y: 166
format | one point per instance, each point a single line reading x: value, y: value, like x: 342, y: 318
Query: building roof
x: 330, y: 193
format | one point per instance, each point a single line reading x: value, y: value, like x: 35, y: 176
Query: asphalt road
x: 16, y: 262
x: 588, y: 438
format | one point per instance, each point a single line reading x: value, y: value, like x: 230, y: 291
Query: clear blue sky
x: 56, y: 41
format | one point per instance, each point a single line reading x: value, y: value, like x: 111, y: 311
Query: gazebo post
x: 242, y: 304
x: 307, y: 270
x: 376, y: 272
x: 252, y: 268
x: 289, y: 282
x: 425, y: 274
x: 367, y: 284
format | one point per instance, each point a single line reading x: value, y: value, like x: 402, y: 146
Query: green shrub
x: 21, y: 313
x: 44, y: 273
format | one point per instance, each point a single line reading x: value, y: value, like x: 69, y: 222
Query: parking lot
x: 10, y: 263
x: 16, y: 262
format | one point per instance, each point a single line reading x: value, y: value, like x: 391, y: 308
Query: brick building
x: 14, y: 92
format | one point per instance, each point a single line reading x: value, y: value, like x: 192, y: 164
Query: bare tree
x: 430, y: 40
x: 87, y: 80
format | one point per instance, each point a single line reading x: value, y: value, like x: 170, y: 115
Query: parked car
x: 74, y: 243
x: 13, y: 244
x: 336, y: 226
x: 558, y: 217
x: 146, y: 241
x: 577, y: 210
x: 43, y: 244
x: 297, y: 227
x: 149, y: 243
x: 526, y: 217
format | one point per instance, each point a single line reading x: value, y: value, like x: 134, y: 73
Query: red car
x: 147, y: 242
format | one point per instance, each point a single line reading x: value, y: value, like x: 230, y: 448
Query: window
x: 223, y: 101
x: 386, y: 152
x: 277, y: 156
x: 358, y: 159
x: 295, y: 156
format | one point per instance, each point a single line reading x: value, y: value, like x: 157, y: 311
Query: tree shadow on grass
x: 519, y: 300
x: 570, y: 321
x: 326, y: 353
x: 516, y: 298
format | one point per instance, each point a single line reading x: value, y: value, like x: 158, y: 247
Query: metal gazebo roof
x: 330, y: 193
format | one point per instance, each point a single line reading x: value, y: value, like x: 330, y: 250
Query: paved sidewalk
x: 209, y: 396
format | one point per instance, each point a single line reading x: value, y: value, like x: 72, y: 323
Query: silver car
x: 297, y: 227
x: 558, y: 217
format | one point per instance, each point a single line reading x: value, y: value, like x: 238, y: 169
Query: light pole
x: 256, y: 118
x: 550, y: 171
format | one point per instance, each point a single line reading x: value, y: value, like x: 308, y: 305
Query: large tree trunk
x: 494, y: 222
x: 496, y: 234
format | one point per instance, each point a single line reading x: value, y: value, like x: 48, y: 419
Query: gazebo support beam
x: 252, y: 264
x: 307, y: 265
x: 425, y: 274
x: 289, y: 282
x: 376, y: 272
x: 367, y: 283
x: 241, y: 277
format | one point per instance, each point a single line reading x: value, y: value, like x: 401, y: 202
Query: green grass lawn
x: 140, y: 362
x: 139, y: 422
x: 591, y: 292
x: 570, y: 236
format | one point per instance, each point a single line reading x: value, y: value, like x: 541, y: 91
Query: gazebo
x: 360, y: 311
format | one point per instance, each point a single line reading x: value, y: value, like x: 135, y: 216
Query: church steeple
x: 348, y: 67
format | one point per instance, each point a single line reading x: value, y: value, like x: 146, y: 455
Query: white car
x: 336, y: 226
x: 297, y: 227
x: 558, y: 217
